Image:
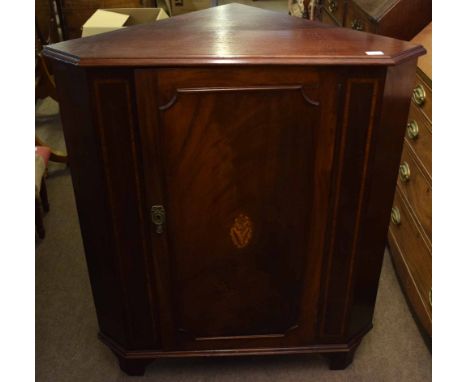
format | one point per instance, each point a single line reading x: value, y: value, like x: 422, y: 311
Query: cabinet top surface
x: 233, y: 34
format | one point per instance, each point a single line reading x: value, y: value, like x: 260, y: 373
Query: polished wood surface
x: 276, y: 183
x: 211, y: 149
x: 232, y: 34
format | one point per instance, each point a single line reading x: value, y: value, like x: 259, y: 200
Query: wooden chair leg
x: 55, y: 155
x: 39, y: 223
x: 43, y: 195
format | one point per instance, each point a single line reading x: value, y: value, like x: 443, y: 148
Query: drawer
x: 356, y: 19
x: 327, y: 19
x: 422, y: 96
x: 415, y: 254
x: 336, y: 9
x: 419, y: 137
x: 417, y: 189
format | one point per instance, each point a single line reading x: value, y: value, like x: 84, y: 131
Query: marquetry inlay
x: 241, y: 231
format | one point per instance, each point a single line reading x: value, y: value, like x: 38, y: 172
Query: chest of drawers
x: 401, y: 19
x: 410, y: 234
x: 233, y: 181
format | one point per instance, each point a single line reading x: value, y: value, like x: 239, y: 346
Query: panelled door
x: 237, y: 166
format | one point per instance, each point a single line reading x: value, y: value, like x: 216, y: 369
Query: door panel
x: 243, y: 191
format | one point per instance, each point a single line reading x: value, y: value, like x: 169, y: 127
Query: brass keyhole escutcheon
x: 158, y: 217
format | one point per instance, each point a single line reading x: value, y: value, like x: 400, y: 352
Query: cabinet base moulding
x: 134, y: 362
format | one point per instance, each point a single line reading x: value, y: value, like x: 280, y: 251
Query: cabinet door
x: 240, y: 161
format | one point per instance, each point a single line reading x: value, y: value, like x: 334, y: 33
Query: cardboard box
x: 183, y: 6
x: 106, y: 20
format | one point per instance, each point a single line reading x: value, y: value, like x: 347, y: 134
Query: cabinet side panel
x: 90, y: 195
x: 361, y: 95
x: 114, y: 109
x: 380, y: 187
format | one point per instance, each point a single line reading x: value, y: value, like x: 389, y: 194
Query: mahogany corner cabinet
x: 234, y: 171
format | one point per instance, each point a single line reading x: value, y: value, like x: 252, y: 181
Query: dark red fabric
x: 44, y: 152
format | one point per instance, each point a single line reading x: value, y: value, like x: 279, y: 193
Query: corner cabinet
x: 233, y: 182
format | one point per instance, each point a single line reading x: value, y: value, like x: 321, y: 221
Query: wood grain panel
x: 228, y: 159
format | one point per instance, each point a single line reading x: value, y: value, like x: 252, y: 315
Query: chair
x: 42, y: 156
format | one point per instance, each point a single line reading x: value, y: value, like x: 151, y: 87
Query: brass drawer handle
x: 405, y: 172
x: 419, y: 95
x: 332, y: 6
x: 395, y: 216
x: 412, y: 129
x: 357, y: 25
x: 430, y: 297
